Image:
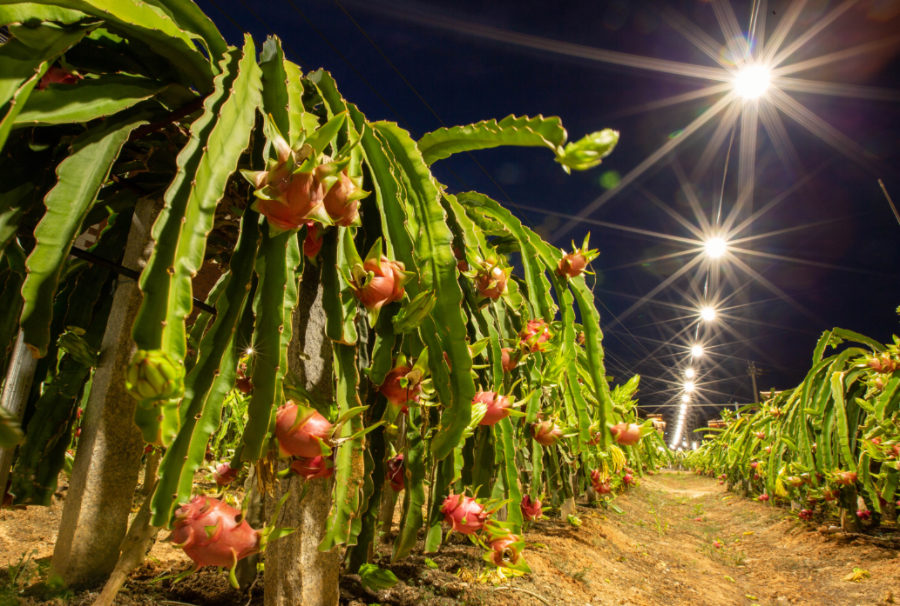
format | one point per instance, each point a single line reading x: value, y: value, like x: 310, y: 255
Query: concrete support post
x: 105, y: 471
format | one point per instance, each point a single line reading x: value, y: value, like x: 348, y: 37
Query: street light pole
x: 754, y: 371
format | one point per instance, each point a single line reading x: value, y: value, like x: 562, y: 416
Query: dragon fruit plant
x: 263, y: 179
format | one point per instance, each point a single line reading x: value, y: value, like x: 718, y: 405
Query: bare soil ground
x: 681, y: 539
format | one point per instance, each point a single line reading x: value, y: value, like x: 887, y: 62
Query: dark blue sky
x: 832, y: 256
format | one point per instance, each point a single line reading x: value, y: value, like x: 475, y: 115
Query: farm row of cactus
x: 453, y: 376
x: 830, y: 446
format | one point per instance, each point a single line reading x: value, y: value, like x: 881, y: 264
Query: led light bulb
x: 752, y: 81
x: 715, y: 247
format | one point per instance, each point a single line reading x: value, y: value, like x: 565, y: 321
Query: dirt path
x: 683, y: 539
x: 680, y: 540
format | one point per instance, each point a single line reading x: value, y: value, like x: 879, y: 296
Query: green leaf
x: 376, y: 578
x: 80, y: 177
x: 13, y: 204
x: 276, y: 267
x: 348, y: 460
x: 414, y: 495
x: 437, y: 271
x: 35, y: 12
x: 511, y: 130
x: 189, y: 18
x: 275, y: 84
x: 23, y: 66
x: 588, y: 151
x: 209, y: 381
x: 86, y: 100
x: 151, y: 25
x: 218, y: 138
x: 10, y: 431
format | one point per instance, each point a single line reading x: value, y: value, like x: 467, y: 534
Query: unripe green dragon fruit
x: 153, y: 376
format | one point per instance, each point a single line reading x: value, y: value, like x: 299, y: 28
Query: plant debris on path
x: 680, y: 539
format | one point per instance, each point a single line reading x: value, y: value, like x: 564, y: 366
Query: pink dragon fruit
x: 626, y: 434
x: 313, y: 468
x: 312, y: 243
x: 534, y: 336
x: 463, y: 513
x: 508, y: 359
x: 546, y: 432
x: 506, y: 550
x: 497, y: 406
x: 394, y: 389
x: 225, y: 474
x: 342, y: 200
x: 213, y: 533
x: 531, y: 510
x: 301, y: 431
x: 395, y: 473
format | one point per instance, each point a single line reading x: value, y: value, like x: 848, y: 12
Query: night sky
x: 822, y: 245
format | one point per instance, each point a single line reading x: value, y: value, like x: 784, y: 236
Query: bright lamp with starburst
x: 752, y: 81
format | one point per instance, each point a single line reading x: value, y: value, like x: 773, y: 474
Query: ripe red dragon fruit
x: 498, y: 406
x: 626, y: 434
x: 531, y: 509
x: 534, y: 336
x: 313, y: 468
x: 863, y: 514
x: 506, y: 550
x: 546, y: 432
x: 293, y: 199
x: 806, y: 514
x: 242, y: 382
x: 763, y: 497
x: 754, y: 464
x: 461, y: 263
x: 401, y: 385
x: 463, y: 513
x: 378, y: 281
x: 225, y: 474
x: 508, y: 359
x: 600, y: 485
x: 490, y: 279
x: 312, y: 243
x: 845, y: 478
x: 628, y: 479
x: 342, y: 200
x: 301, y: 431
x: 213, y: 533
x: 395, y: 473
x: 57, y: 75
